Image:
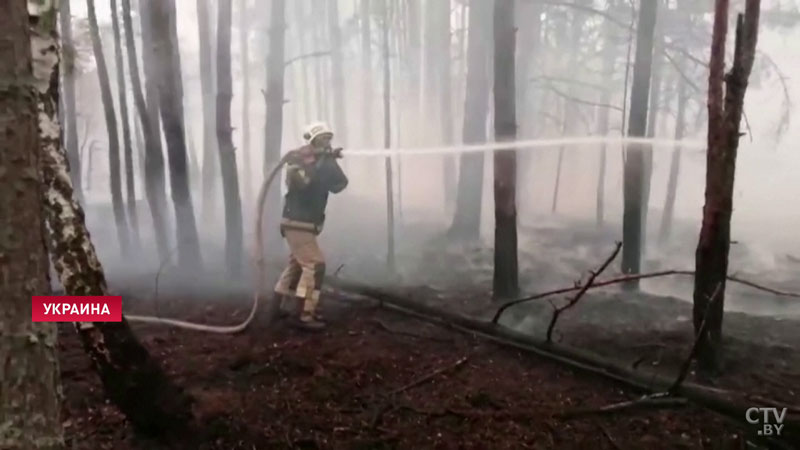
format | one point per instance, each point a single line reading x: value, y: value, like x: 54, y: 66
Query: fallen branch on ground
x: 731, y: 404
x: 557, y: 311
x: 430, y: 376
x: 696, y: 345
x: 391, y: 330
x: 389, y: 404
x: 608, y: 436
x: 655, y: 400
x: 625, y: 278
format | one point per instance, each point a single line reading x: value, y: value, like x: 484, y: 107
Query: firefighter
x: 312, y: 172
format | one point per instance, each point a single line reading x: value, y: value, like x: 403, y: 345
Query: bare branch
x: 626, y: 278
x: 306, y: 56
x: 557, y: 312
x: 568, y: 97
x: 680, y: 72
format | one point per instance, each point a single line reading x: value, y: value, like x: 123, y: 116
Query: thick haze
x: 766, y: 213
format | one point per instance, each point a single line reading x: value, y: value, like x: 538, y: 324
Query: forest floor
x: 373, y: 379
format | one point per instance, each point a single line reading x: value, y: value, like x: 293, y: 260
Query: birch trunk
x: 29, y: 373
x: 131, y: 378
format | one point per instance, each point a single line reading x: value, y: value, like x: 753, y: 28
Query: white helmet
x: 315, y: 129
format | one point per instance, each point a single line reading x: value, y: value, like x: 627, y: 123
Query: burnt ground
x: 279, y: 387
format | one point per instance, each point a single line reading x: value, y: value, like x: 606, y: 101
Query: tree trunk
x: 29, y: 375
x: 244, y: 41
x: 320, y: 44
x: 170, y: 96
x: 337, y: 74
x: 724, y: 117
x: 603, y: 115
x: 653, y: 117
x: 111, y: 128
x: 675, y: 164
x: 302, y: 40
x: 274, y: 98
x: 415, y: 48
x: 529, y: 24
x: 467, y: 220
x: 444, y: 58
x: 227, y: 155
x: 210, y: 154
x: 387, y: 136
x: 506, y: 272
x: 70, y: 115
x: 366, y: 69
x: 633, y: 186
x: 130, y: 182
x: 131, y: 378
x: 571, y: 111
x: 151, y: 74
x: 154, y: 183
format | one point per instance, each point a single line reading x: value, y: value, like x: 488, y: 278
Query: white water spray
x: 258, y: 256
x: 527, y: 145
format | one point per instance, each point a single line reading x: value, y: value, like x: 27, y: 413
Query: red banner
x: 103, y: 308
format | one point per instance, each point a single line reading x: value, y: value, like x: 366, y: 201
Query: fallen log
x: 732, y: 405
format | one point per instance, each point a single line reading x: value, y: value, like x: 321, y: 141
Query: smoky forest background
x: 636, y: 158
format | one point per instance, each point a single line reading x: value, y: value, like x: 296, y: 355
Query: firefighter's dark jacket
x: 308, y: 184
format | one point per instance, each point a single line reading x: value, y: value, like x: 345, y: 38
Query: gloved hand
x: 336, y: 152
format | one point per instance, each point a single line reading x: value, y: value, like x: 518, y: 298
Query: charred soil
x: 373, y: 379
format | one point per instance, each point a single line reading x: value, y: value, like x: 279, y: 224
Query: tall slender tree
x: 29, y: 374
x: 131, y: 379
x: 70, y: 114
x: 170, y: 97
x: 467, y: 219
x: 210, y: 169
x: 387, y: 131
x: 337, y: 72
x: 111, y: 128
x: 227, y: 155
x: 724, y: 119
x: 366, y: 68
x: 445, y: 57
x: 274, y: 96
x: 603, y: 116
x: 529, y: 23
x: 154, y: 182
x: 127, y: 143
x: 301, y: 36
x: 158, y: 170
x: 675, y: 164
x: 506, y: 271
x: 633, y: 187
x: 244, y: 45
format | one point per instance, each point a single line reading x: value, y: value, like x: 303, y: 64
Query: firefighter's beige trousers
x: 306, y: 269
